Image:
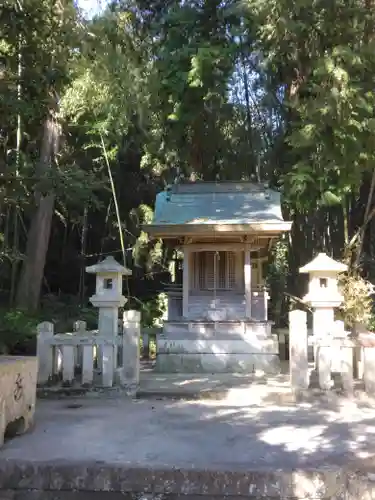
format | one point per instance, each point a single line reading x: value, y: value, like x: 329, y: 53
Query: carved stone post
x: 347, y: 365
x: 369, y: 370
x: 131, y: 351
x: 299, y: 374
x: 45, y: 352
x: 324, y: 354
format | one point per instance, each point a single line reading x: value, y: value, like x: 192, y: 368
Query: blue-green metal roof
x: 217, y: 203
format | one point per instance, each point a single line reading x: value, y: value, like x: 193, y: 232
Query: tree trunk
x: 32, y: 273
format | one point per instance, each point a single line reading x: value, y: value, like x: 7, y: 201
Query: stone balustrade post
x: 45, y: 352
x: 369, y: 369
x: 2, y: 420
x: 108, y: 363
x: 79, y: 328
x: 347, y: 366
x: 68, y: 361
x: 87, y: 364
x: 299, y: 374
x: 131, y: 354
x: 324, y: 358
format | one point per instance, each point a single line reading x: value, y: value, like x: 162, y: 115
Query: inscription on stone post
x: 18, y: 389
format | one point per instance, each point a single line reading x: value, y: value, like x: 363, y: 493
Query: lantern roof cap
x: 108, y: 265
x: 322, y: 262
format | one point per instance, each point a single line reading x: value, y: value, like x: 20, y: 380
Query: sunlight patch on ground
x: 296, y: 439
x: 192, y: 381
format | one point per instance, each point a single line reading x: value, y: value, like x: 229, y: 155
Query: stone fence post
x: 145, y: 344
x: 131, y: 354
x: 366, y: 343
x: 45, y: 352
x: 324, y: 361
x: 79, y: 328
x: 369, y: 370
x: 299, y: 374
x: 346, y: 349
x: 3, y: 423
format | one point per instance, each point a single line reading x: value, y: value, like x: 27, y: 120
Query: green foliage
x: 16, y: 330
x: 153, y: 311
x: 276, y: 281
x: 324, y: 60
x: 64, y: 310
x: 146, y: 252
x: 358, y: 306
x: 110, y: 83
x: 195, y: 58
x: 278, y: 91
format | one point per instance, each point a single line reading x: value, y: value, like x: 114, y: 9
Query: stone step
x: 101, y: 481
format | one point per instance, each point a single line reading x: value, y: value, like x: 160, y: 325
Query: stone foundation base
x: 217, y: 347
x: 211, y: 363
x: 102, y: 481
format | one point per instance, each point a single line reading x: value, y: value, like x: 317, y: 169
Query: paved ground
x: 230, y: 434
x: 254, y: 388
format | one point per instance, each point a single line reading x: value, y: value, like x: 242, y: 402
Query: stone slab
x: 167, y: 449
x: 218, y: 362
x: 18, y: 377
x: 217, y: 347
x: 90, y: 481
x: 254, y: 389
x: 91, y: 477
x: 215, y: 435
x: 219, y: 330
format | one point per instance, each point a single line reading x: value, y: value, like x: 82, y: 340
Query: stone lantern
x: 323, y: 293
x: 108, y: 294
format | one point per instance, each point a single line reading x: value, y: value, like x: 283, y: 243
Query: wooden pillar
x: 247, y: 280
x: 186, y: 282
x: 238, y: 263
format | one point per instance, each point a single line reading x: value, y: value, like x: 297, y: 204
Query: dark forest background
x: 98, y: 115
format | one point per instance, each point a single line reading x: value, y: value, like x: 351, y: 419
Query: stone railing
x: 88, y: 358
x: 148, y: 336
x: 17, y: 394
x: 334, y: 354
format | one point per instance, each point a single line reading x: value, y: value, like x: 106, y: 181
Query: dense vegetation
x: 96, y: 116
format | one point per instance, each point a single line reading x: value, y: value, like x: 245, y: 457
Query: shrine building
x: 217, y: 306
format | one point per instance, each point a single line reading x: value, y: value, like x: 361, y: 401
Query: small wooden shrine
x: 217, y: 314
